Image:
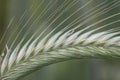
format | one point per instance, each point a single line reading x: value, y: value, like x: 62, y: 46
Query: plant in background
x: 58, y: 31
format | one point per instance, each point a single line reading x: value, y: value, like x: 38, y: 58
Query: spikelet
x: 78, y: 38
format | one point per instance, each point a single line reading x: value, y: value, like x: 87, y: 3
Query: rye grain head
x: 58, y: 30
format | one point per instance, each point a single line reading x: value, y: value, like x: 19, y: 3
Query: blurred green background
x: 68, y: 70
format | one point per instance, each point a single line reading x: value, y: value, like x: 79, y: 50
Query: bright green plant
x: 62, y: 30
